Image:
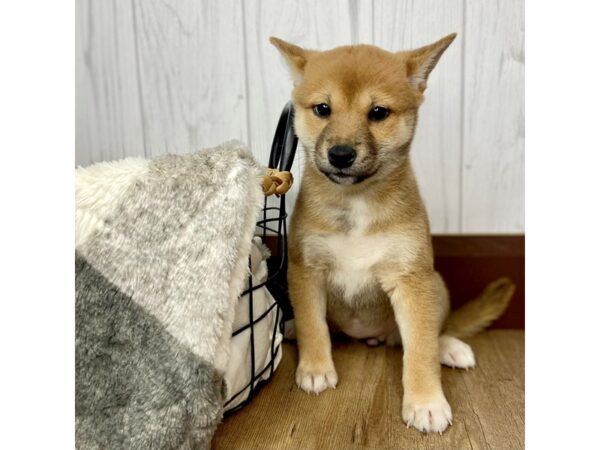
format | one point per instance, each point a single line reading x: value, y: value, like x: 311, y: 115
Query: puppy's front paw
x: 432, y: 415
x: 314, y: 379
x: 456, y: 353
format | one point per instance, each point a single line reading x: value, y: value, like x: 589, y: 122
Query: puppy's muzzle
x: 341, y: 156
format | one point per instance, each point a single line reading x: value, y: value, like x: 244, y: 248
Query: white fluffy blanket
x: 161, y: 257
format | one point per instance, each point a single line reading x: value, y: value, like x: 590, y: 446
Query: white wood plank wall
x: 157, y: 76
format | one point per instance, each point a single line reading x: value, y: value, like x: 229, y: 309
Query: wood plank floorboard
x: 365, y: 409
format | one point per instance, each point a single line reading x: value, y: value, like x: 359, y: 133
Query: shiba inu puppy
x: 360, y: 256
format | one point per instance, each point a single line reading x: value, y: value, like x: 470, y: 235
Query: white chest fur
x: 351, y: 255
x: 354, y: 257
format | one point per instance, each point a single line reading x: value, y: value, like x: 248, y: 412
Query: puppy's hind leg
x: 453, y: 352
x: 456, y: 353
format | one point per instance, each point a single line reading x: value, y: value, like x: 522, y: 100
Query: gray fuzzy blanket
x: 161, y: 256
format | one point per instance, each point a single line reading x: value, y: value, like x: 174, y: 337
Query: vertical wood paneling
x: 108, y: 114
x: 192, y: 73
x: 361, y: 22
x: 436, y: 148
x: 157, y: 76
x: 493, y: 127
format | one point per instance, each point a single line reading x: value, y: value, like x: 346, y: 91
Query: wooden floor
x: 364, y: 410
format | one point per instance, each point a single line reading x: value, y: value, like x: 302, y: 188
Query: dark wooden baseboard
x: 468, y: 263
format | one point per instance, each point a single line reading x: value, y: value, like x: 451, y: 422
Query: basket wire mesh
x: 272, y: 226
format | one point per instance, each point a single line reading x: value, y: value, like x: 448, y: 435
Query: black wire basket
x: 272, y: 228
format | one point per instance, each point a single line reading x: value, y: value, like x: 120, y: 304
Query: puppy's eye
x: 322, y: 110
x: 378, y: 113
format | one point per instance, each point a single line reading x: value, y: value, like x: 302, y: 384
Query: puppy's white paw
x: 431, y: 416
x: 314, y: 380
x: 455, y: 353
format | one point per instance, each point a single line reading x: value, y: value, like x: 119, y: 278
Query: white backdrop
x: 157, y: 76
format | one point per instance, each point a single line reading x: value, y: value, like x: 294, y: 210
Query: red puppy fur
x: 360, y: 256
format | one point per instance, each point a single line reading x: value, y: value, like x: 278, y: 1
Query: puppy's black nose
x: 341, y: 156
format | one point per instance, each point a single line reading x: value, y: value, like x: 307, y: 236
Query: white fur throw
x: 161, y: 256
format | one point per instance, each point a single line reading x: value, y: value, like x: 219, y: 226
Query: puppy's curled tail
x: 478, y: 314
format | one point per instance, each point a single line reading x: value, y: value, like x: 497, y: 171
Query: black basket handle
x: 285, y: 141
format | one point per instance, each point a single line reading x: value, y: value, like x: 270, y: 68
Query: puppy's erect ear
x: 420, y: 62
x: 295, y: 56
